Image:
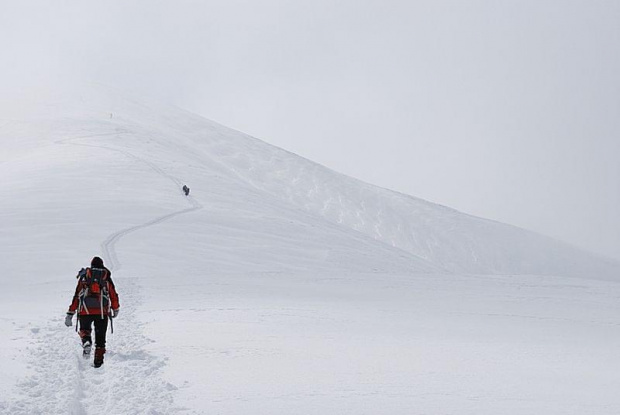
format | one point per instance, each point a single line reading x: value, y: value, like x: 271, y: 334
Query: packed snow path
x: 128, y: 383
x: 108, y: 245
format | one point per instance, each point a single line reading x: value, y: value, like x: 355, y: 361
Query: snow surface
x: 278, y: 286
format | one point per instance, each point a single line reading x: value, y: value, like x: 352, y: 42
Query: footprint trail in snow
x: 129, y: 382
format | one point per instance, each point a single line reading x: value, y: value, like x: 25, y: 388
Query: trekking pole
x: 77, y: 313
x: 108, y: 302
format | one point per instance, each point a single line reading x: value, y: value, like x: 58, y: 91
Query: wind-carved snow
x: 449, y: 239
x: 277, y: 286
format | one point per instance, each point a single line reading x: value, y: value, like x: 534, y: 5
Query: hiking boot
x: 86, y: 347
x: 99, y: 352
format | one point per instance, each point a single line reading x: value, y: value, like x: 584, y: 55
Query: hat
x: 96, y: 262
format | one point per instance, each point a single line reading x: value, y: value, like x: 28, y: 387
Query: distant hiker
x: 185, y: 189
x: 95, y: 299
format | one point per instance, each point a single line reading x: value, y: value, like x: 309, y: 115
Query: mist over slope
x: 228, y: 165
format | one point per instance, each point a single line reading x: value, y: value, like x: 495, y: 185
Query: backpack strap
x: 103, y: 270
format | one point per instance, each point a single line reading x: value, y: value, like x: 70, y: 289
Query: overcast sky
x: 508, y: 110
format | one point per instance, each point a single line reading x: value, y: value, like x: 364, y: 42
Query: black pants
x: 101, y: 327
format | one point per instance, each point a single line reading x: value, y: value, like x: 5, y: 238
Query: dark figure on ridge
x: 185, y: 190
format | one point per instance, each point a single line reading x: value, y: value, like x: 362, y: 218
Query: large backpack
x: 94, y: 293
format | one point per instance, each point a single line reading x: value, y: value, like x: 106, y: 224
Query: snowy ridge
x: 447, y: 239
x: 278, y: 286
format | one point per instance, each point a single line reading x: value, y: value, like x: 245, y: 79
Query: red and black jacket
x: 87, y: 303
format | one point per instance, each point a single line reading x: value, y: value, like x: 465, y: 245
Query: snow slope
x: 278, y: 286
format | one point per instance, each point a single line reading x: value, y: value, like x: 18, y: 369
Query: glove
x: 68, y: 319
x: 81, y: 273
x: 114, y: 313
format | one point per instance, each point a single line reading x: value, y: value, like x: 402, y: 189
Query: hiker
x: 95, y: 299
x: 185, y: 190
